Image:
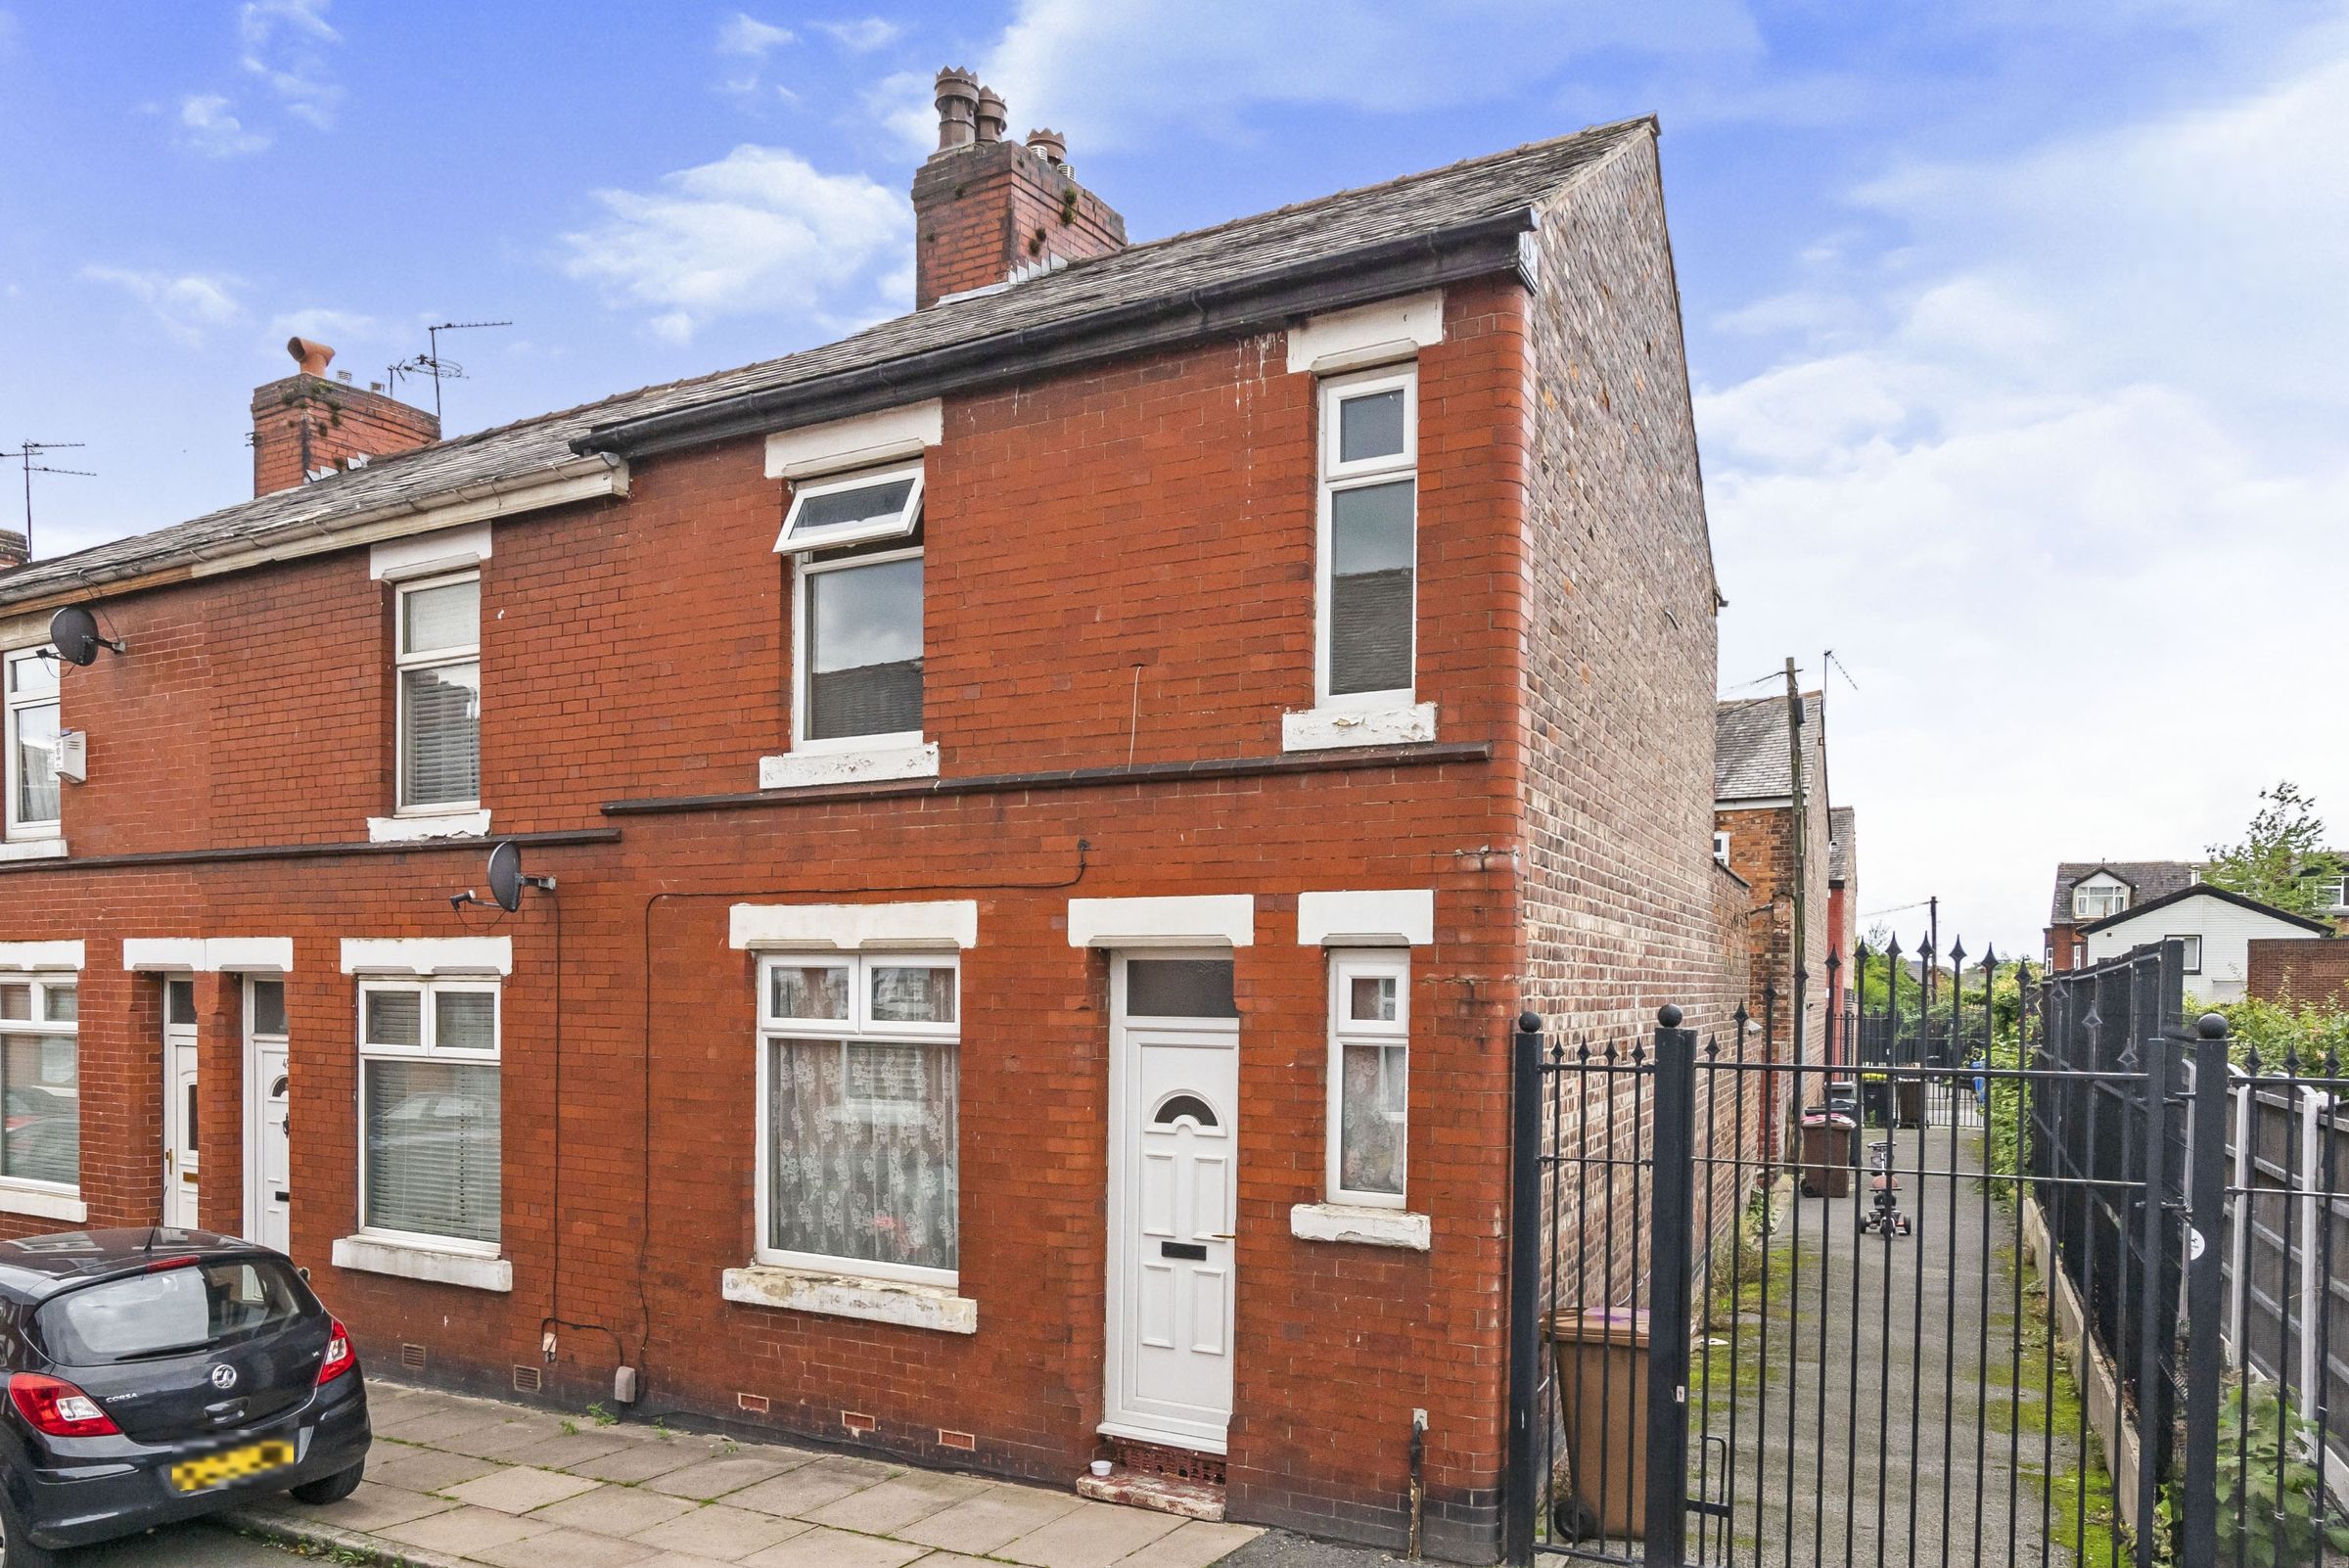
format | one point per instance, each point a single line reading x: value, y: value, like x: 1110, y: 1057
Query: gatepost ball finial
x: 1668, y: 1015
x: 2211, y: 1026
x: 1528, y: 1022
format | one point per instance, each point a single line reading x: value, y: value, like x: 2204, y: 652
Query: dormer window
x: 2099, y: 901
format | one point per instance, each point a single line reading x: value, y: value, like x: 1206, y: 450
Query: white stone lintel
x: 40, y: 954
x: 848, y: 927
x: 877, y: 1301
x: 1362, y: 336
x: 428, y: 955
x: 1180, y: 921
x: 839, y: 445
x: 209, y: 954
x: 1390, y: 917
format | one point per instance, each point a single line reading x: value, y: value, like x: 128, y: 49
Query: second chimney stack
x: 988, y: 211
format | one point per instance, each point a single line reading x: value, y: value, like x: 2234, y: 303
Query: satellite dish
x: 505, y: 877
x: 73, y: 634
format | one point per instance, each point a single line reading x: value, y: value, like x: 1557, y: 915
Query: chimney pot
x: 313, y: 357
x: 957, y: 108
x: 1050, y: 146
x: 994, y: 117
x: 14, y: 550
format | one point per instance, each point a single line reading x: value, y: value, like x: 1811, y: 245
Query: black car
x: 158, y: 1374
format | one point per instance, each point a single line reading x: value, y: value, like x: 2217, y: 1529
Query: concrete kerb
x: 262, y: 1522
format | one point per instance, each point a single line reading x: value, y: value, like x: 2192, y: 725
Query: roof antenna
x: 30, y: 454
x: 432, y: 364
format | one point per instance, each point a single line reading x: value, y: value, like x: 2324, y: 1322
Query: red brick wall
x: 2296, y: 969
x: 1169, y: 531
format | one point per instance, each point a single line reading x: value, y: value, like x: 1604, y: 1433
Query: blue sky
x: 2017, y: 324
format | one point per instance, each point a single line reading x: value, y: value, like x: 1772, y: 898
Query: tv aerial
x: 430, y: 364
x: 506, y: 881
x: 29, y: 453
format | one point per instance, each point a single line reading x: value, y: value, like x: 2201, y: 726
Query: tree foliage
x: 2281, y: 860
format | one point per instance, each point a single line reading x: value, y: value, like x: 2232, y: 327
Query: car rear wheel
x: 326, y: 1489
x: 15, y: 1551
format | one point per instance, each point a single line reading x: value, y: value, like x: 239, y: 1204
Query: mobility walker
x: 1884, y: 1204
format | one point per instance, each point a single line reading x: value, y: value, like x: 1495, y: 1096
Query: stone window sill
x: 1321, y: 730
x: 876, y: 1301
x: 32, y: 849
x: 404, y: 1260
x: 803, y: 769
x: 43, y: 1203
x: 1361, y: 1224
x: 418, y: 829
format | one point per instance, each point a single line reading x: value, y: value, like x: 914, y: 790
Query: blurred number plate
x: 219, y: 1469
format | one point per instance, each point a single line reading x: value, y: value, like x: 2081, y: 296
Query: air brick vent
x: 525, y: 1380
x: 412, y: 1357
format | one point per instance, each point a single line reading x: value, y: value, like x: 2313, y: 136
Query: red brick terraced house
x: 1051, y: 805
x: 1757, y: 834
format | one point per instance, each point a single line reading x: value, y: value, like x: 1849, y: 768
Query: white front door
x: 268, y: 1165
x: 1175, y: 1091
x: 179, y: 1103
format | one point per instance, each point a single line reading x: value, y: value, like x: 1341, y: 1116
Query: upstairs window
x: 2098, y: 901
x: 853, y: 509
x: 2332, y: 893
x: 859, y: 663
x: 1370, y: 546
x: 28, y: 686
x: 439, y: 658
x: 1720, y: 848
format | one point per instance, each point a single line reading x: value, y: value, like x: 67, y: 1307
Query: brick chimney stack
x: 988, y: 210
x: 309, y: 423
x: 14, y: 550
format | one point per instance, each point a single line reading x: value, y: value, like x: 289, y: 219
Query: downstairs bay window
x: 857, y: 1111
x: 429, y: 1113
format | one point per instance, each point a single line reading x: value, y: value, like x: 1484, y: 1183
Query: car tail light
x: 55, y: 1407
x: 339, y: 1357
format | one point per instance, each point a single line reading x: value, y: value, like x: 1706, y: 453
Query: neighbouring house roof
x: 1750, y: 755
x: 1376, y: 241
x: 2203, y: 890
x: 2148, y: 880
x: 1841, y: 826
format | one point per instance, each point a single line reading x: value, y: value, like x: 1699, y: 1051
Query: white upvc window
x: 2193, y: 952
x: 883, y: 504
x: 429, y: 1116
x: 856, y: 681
x: 1370, y: 1077
x: 859, y: 1106
x: 2099, y: 901
x: 40, y: 1077
x: 2332, y: 893
x: 1720, y: 848
x: 439, y: 676
x: 29, y: 718
x: 1368, y: 551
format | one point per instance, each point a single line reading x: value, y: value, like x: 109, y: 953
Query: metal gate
x: 1961, y: 1295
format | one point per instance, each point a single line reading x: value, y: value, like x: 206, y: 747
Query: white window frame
x: 11, y: 827
x: 2332, y: 893
x: 802, y: 665
x: 2111, y: 896
x: 1720, y: 848
x: 795, y: 538
x: 425, y: 988
x: 858, y: 1028
x: 40, y: 1025
x: 1363, y: 473
x: 439, y: 658
x: 1344, y: 967
x: 2194, y: 949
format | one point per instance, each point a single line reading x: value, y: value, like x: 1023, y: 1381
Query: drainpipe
x: 1418, y: 1476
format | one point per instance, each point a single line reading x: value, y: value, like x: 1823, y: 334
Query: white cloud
x: 759, y: 232
x: 2060, y: 482
x: 863, y: 35
x: 746, y: 35
x: 186, y: 307
x: 904, y: 105
x: 284, y: 44
x: 208, y: 124
x: 340, y: 330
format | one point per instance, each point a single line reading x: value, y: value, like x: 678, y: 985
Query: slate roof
x: 1841, y: 825
x: 1750, y: 760
x: 2148, y: 881
x: 1491, y: 186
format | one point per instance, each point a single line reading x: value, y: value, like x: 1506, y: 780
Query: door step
x: 1162, y: 1479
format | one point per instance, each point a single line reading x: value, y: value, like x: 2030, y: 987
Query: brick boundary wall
x: 2298, y: 969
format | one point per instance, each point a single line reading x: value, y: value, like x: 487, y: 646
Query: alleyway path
x: 1893, y: 1411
